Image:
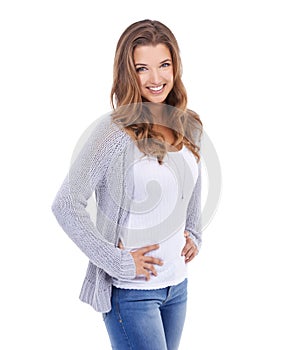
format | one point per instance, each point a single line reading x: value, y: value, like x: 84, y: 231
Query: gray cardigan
x: 100, y: 167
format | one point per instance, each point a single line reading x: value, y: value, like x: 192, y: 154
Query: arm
x: 69, y: 206
x: 193, y: 221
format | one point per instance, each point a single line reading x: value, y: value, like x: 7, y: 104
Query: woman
x: 142, y: 163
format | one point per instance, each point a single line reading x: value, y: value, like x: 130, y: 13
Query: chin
x: 156, y: 99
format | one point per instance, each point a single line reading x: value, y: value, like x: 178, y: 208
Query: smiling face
x: 154, y: 67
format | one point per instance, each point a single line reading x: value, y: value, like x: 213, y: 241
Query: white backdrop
x: 56, y: 74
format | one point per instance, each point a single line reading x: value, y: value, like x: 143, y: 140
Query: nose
x: 155, y: 77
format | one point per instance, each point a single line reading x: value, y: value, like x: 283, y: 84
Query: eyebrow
x: 144, y: 64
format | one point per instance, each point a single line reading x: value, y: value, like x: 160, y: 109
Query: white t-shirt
x: 158, y: 215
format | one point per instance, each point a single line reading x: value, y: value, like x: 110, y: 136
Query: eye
x: 141, y: 69
x: 165, y: 65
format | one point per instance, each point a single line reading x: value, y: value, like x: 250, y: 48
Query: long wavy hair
x: 133, y: 113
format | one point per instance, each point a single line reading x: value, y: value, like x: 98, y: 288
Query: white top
x: 158, y: 215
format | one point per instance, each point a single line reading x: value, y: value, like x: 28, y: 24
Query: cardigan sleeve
x: 193, y: 220
x: 69, y: 205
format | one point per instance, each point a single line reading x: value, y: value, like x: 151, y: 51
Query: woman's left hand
x: 190, y: 250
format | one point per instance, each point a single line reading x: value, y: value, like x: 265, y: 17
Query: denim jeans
x: 147, y: 319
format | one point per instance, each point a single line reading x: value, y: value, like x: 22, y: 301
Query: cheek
x: 142, y: 80
x: 169, y: 77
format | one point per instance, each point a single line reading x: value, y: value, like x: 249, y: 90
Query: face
x: 155, y: 71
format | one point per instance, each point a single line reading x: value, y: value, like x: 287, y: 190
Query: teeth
x: 156, y: 88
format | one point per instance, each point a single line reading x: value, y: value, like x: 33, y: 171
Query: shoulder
x: 100, y: 142
x: 105, y: 124
x: 105, y: 133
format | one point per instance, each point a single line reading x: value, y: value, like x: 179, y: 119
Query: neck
x: 159, y: 112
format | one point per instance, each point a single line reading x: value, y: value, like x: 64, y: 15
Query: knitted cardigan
x: 100, y: 167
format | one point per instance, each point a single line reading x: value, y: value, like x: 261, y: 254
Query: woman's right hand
x: 144, y: 264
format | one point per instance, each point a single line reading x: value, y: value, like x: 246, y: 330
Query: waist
x: 173, y: 270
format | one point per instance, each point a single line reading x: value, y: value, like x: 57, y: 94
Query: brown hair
x: 131, y: 112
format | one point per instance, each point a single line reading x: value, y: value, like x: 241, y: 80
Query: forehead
x: 151, y: 54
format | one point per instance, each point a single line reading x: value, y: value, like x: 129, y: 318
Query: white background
x: 56, y: 75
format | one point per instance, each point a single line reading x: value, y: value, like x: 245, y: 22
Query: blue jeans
x: 147, y: 319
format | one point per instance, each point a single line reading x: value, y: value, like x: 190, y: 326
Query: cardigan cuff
x: 127, y: 266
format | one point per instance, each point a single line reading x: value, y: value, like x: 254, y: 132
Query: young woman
x: 142, y: 163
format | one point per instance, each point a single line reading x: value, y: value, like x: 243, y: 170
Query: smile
x: 156, y: 88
